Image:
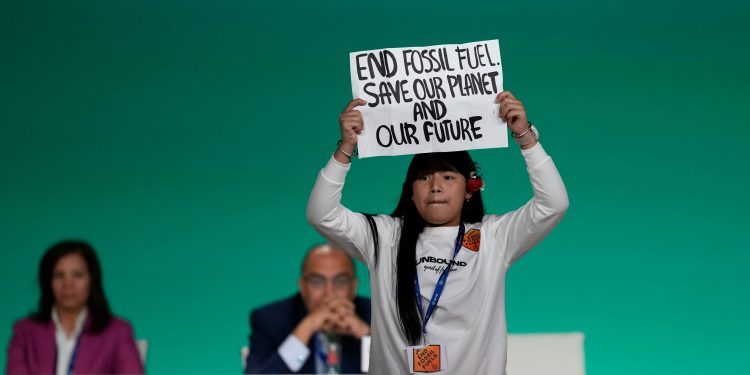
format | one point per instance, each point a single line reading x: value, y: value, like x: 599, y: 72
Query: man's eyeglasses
x: 319, y: 282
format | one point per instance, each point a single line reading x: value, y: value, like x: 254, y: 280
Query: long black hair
x: 412, y: 225
x: 98, y: 307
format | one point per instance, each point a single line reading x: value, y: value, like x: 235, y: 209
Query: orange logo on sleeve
x: 471, y: 239
x: 427, y: 359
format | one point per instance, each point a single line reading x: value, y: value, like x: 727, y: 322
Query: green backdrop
x: 182, y: 138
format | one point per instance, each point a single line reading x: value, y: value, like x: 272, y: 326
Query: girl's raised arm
x: 349, y: 230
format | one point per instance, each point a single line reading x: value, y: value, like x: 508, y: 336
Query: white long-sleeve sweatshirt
x: 470, y: 316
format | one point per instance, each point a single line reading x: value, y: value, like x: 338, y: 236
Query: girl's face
x: 71, y: 282
x: 439, y: 197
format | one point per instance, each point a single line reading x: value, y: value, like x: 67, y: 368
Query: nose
x: 435, y: 185
x: 329, y: 288
x: 67, y: 281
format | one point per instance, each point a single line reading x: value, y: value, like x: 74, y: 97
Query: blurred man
x: 318, y: 330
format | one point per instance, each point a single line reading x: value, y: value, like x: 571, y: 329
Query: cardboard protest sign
x: 429, y: 99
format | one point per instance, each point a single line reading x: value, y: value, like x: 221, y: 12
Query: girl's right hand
x: 351, y: 126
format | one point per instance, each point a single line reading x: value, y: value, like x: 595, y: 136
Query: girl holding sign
x: 438, y: 263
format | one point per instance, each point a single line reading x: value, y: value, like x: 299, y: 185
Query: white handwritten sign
x: 429, y: 99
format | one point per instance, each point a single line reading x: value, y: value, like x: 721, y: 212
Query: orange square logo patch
x: 471, y: 239
x: 427, y: 359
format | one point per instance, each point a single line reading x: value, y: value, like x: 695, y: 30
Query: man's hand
x: 334, y: 314
x: 352, y: 325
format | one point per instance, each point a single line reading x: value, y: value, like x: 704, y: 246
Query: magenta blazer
x: 33, y: 349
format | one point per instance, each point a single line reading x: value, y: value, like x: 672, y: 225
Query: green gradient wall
x: 182, y: 137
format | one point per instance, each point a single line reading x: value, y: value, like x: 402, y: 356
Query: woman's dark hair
x: 412, y: 225
x: 98, y: 307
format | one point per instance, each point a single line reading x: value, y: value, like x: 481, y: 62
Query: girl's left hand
x: 512, y: 112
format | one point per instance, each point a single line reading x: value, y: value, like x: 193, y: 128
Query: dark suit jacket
x: 270, y: 326
x: 33, y: 349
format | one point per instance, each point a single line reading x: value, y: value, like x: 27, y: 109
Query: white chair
x: 546, y: 354
x: 142, y: 346
x: 365, y: 357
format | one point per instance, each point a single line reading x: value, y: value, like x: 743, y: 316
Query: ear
x: 355, y: 284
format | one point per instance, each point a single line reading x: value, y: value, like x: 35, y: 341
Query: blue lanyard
x: 440, y: 284
x: 74, y: 355
x: 319, y: 350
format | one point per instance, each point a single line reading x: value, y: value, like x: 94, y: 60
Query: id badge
x: 426, y: 358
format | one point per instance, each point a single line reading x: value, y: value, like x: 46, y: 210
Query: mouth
x: 437, y: 202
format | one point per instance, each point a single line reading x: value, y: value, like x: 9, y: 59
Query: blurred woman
x: 73, y: 331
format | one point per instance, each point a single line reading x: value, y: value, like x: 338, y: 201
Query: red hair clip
x: 475, y: 182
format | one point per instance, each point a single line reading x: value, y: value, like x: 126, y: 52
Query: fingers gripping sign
x: 512, y: 112
x: 352, y: 125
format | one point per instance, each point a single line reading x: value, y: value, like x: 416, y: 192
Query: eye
x: 342, y: 281
x: 423, y: 178
x: 315, y: 281
x: 451, y: 176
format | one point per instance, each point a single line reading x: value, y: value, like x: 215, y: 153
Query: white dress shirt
x: 66, y: 344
